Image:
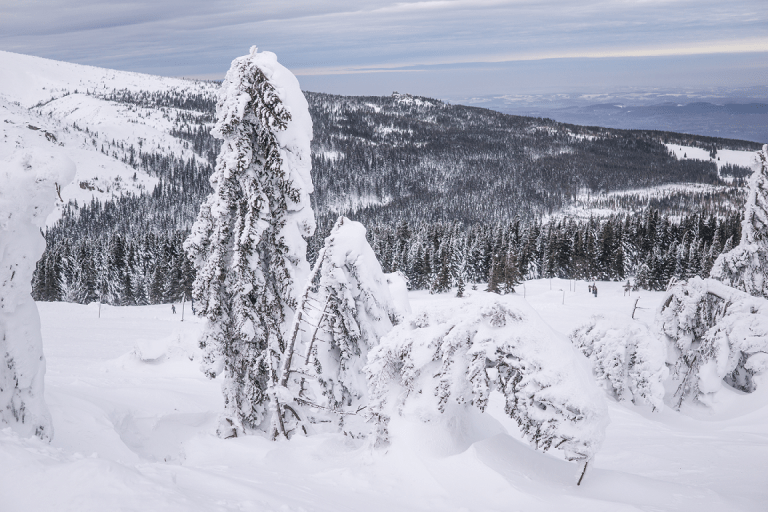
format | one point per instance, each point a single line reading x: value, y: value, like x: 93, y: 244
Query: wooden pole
x: 183, y: 299
x: 583, y: 472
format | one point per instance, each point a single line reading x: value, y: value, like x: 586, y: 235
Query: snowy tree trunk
x: 27, y: 195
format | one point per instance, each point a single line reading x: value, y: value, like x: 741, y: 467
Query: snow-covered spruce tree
x: 27, y: 195
x: 627, y: 358
x: 346, y: 317
x: 716, y: 334
x: 744, y: 267
x: 247, y: 244
x: 431, y: 368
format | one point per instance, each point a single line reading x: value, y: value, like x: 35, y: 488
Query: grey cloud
x: 315, y: 38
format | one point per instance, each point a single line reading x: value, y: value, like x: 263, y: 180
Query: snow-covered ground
x: 134, y: 423
x: 724, y: 156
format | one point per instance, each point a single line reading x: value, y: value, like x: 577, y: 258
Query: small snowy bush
x: 27, y: 195
x: 626, y: 358
x: 489, y: 344
x: 717, y: 334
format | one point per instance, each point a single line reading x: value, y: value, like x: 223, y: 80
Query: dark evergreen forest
x: 451, y: 195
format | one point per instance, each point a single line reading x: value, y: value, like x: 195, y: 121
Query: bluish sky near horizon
x: 439, y: 48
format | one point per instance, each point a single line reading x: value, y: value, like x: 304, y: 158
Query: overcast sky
x: 437, y: 48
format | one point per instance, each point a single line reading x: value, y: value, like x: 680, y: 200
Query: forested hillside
x: 454, y: 176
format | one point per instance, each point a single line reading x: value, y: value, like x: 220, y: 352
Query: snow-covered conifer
x: 717, y: 334
x: 627, y: 358
x: 442, y: 365
x: 744, y: 267
x: 353, y: 310
x: 247, y: 244
x: 27, y: 196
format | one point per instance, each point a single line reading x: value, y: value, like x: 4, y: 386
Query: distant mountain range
x: 739, y: 114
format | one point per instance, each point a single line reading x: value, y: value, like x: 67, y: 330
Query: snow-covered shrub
x: 627, y: 358
x: 353, y: 309
x: 28, y: 192
x: 489, y: 344
x: 744, y: 266
x: 247, y: 243
x: 717, y: 334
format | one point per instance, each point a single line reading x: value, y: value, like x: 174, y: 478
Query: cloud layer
x: 363, y: 46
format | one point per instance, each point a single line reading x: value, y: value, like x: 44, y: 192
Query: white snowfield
x: 724, y: 156
x: 50, y: 104
x: 134, y: 422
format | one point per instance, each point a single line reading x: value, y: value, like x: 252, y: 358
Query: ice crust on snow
x: 28, y: 192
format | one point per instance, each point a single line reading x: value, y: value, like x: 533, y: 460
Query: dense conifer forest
x: 451, y: 195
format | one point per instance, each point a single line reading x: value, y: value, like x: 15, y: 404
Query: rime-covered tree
x: 744, y: 267
x: 344, y: 319
x: 247, y: 244
x: 716, y: 334
x: 440, y: 367
x: 627, y: 358
x: 27, y: 196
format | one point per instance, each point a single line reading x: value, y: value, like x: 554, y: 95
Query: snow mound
x: 428, y: 367
x: 398, y: 289
x: 172, y: 347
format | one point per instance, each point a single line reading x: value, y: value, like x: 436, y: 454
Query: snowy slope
x: 34, y: 80
x: 68, y: 101
x: 97, y: 176
x: 134, y: 420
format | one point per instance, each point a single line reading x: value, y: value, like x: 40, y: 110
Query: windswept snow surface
x: 134, y: 423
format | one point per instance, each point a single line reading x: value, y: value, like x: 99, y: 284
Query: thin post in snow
x: 183, y: 301
x: 583, y: 472
x: 635, y: 308
x: 563, y: 297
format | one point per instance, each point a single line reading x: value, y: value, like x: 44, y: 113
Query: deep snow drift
x: 135, y: 422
